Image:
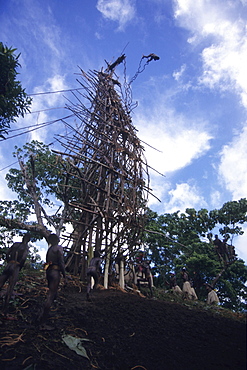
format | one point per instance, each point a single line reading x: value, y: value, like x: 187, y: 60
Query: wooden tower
x: 107, y: 159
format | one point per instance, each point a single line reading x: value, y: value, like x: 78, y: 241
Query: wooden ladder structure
x: 106, y: 158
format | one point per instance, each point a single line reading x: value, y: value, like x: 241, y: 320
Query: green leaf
x: 75, y: 344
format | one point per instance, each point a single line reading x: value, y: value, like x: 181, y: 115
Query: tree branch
x: 16, y: 224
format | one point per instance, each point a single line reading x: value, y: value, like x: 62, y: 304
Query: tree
x: 160, y: 241
x: 40, y: 182
x: 232, y: 286
x: 13, y: 98
x: 178, y: 239
x: 231, y: 216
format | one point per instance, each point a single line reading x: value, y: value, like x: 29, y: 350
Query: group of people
x: 226, y: 252
x: 54, y: 267
x: 188, y: 290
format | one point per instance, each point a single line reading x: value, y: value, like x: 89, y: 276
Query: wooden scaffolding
x: 106, y: 157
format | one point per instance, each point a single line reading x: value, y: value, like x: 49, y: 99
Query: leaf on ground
x: 31, y: 367
x: 75, y: 344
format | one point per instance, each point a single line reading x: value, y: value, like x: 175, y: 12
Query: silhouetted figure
x: 54, y: 268
x: 116, y: 63
x: 217, y: 245
x: 220, y: 249
x: 232, y: 253
x: 93, y: 271
x: 192, y: 285
x: 150, y: 57
x: 173, y: 284
x: 197, y: 281
x: 144, y: 274
x: 16, y: 258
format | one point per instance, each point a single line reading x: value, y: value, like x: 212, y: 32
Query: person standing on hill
x: 93, y: 271
x: 16, y: 257
x: 143, y: 271
x: 54, y: 267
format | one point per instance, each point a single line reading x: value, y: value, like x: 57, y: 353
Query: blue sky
x: 192, y: 103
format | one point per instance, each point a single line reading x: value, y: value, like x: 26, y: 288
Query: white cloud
x: 184, y: 196
x: 6, y: 193
x: 51, y: 37
x: 178, y: 74
x: 121, y: 11
x: 233, y: 165
x: 159, y: 189
x: 42, y: 102
x: 223, y: 25
x: 225, y: 64
x: 215, y: 197
x: 179, y: 150
x: 199, y: 17
x: 53, y: 83
x: 98, y: 36
x: 180, y: 139
x: 40, y: 38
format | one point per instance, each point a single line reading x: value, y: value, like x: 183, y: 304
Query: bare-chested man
x: 54, y: 267
x: 173, y: 284
x: 94, y: 269
x: 144, y: 269
x: 16, y: 258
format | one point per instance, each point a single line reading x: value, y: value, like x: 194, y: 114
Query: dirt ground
x: 118, y: 330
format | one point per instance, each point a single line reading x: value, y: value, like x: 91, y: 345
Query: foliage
x: 13, y: 98
x: 41, y: 183
x: 231, y: 216
x: 45, y: 188
x: 232, y: 288
x: 6, y: 240
x: 178, y: 239
x: 39, y: 165
x: 33, y: 257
